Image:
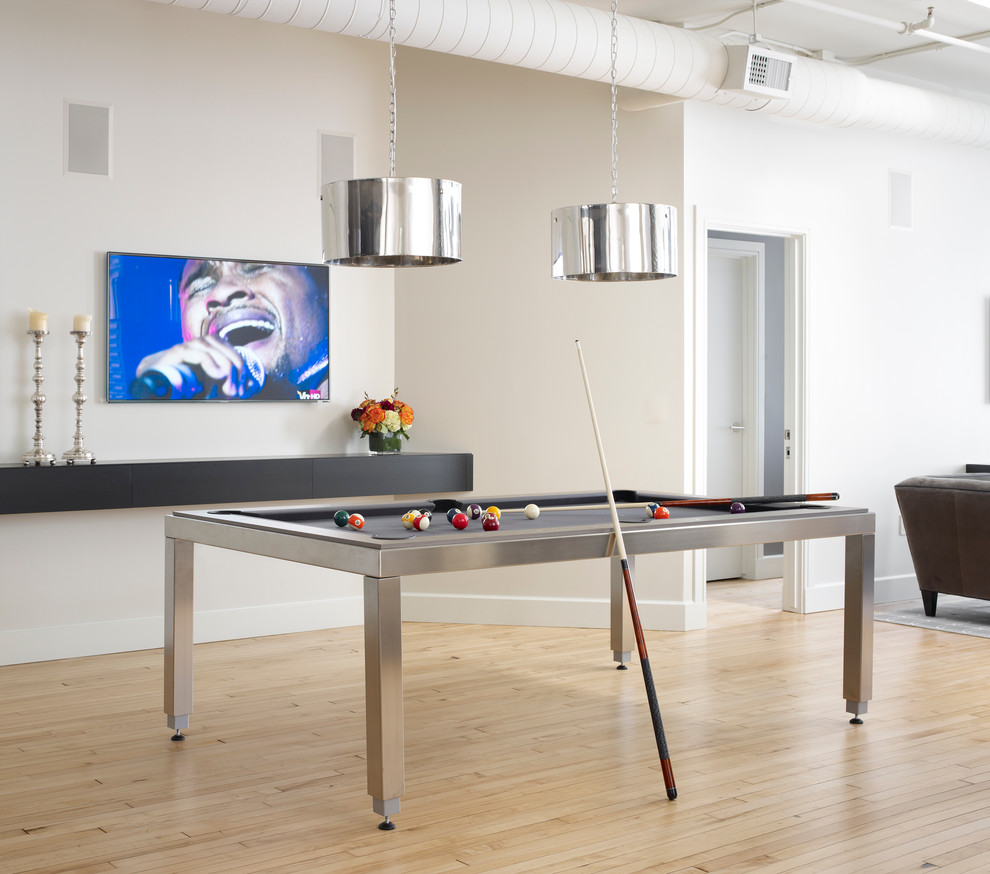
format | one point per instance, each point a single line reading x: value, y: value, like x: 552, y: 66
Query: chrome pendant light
x: 390, y: 221
x: 613, y: 242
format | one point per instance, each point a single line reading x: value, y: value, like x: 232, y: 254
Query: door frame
x: 796, y: 243
x: 751, y: 257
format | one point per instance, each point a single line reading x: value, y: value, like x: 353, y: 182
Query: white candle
x: 81, y: 323
x: 37, y: 321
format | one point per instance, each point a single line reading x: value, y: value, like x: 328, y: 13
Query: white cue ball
x: 531, y: 511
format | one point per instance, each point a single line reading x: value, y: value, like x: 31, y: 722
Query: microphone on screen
x: 184, y: 382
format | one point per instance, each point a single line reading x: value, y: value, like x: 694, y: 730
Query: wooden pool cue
x: 692, y: 502
x: 644, y: 659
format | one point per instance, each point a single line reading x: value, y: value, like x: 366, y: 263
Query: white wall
x: 215, y: 152
x: 897, y: 319
x: 216, y: 126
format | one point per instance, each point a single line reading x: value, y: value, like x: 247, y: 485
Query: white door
x: 735, y: 387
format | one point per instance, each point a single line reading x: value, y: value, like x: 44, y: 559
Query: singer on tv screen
x: 212, y: 329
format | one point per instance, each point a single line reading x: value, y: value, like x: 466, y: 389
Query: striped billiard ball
x: 355, y: 521
x: 421, y: 522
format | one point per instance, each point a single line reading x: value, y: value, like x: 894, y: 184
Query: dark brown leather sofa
x: 947, y: 521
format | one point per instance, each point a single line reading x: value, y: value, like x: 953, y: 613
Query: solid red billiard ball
x: 661, y: 513
x: 355, y: 521
x: 489, y: 522
x: 459, y: 521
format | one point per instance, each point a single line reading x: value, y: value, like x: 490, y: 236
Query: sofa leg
x: 929, y: 599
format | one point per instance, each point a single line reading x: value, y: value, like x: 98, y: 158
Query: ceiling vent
x: 754, y: 69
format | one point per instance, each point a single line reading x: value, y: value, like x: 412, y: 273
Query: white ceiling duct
x: 573, y: 40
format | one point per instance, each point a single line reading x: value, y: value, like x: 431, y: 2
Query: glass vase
x: 384, y: 442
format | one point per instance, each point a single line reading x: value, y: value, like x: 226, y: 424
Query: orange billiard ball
x: 355, y: 521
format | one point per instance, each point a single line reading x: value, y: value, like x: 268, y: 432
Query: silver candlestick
x: 39, y: 454
x: 78, y: 452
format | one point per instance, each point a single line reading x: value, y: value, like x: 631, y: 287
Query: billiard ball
x: 427, y: 513
x: 651, y: 510
x: 459, y: 521
x: 531, y: 511
x: 661, y: 513
x: 494, y: 511
x: 489, y: 522
x: 355, y: 521
x: 453, y: 511
x: 340, y: 518
x: 474, y: 511
x: 409, y: 518
x: 736, y: 507
x: 421, y: 522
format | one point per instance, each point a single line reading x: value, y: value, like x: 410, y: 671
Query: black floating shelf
x: 117, y: 485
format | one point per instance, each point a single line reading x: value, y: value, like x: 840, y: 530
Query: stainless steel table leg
x: 383, y: 688
x: 178, y: 633
x: 857, y: 671
x: 623, y: 637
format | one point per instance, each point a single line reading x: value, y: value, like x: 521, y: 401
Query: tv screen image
x: 216, y: 329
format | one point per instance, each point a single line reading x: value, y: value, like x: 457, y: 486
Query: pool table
x: 384, y: 551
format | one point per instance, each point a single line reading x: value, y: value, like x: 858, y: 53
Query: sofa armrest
x: 947, y: 522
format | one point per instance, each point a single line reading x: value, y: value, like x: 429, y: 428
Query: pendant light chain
x: 615, y: 126
x: 391, y: 87
x: 388, y: 221
x: 614, y: 242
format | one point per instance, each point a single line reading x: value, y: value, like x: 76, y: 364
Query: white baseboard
x: 125, y: 635
x: 900, y: 588
x: 832, y: 596
x: 550, y: 612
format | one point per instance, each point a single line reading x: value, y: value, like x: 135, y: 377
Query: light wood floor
x: 525, y: 751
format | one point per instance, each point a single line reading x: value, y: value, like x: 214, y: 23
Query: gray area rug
x: 958, y: 615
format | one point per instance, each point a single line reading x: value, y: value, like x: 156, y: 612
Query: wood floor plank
x: 526, y: 753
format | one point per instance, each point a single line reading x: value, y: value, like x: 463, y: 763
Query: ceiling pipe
x: 556, y: 36
x: 921, y: 29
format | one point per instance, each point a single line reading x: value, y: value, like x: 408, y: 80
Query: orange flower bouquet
x: 384, y: 422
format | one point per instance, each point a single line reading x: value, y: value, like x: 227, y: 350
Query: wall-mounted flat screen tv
x: 216, y: 329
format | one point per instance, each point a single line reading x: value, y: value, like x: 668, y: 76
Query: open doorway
x: 746, y: 284
x: 768, y: 263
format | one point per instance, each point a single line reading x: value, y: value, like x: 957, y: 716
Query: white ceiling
x: 942, y: 67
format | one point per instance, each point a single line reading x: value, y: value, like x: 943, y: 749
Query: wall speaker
x: 336, y: 158
x: 900, y: 200
x: 87, y: 139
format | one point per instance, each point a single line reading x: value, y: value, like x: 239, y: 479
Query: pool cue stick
x: 752, y: 499
x: 644, y: 658
x: 692, y: 502
x: 562, y: 507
